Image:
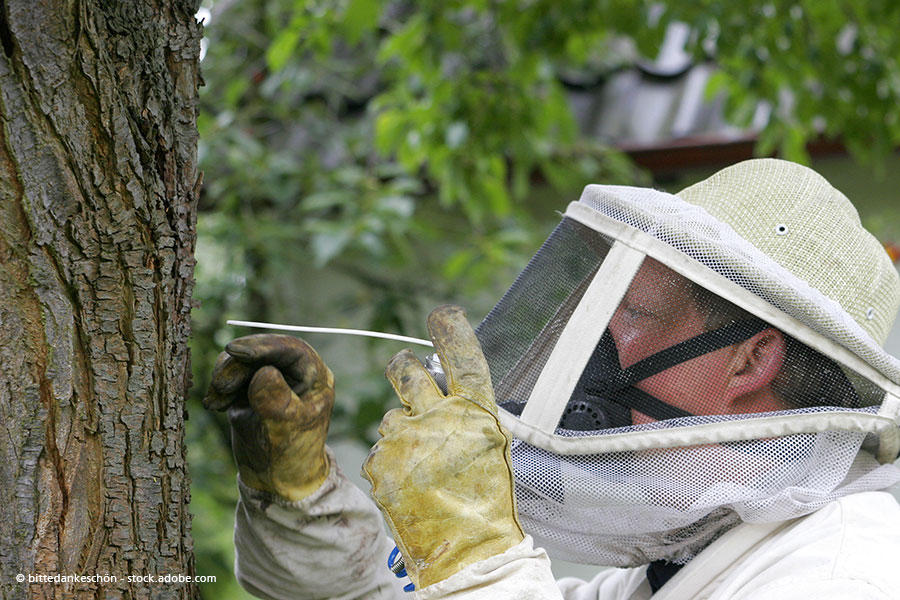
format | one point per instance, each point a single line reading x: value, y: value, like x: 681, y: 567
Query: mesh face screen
x: 672, y: 355
x: 518, y: 335
x: 630, y: 508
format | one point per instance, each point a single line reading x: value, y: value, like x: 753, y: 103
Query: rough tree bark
x: 98, y: 190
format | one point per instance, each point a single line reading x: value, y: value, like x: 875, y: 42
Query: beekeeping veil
x: 672, y: 365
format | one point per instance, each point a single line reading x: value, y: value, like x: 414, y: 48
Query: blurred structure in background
x: 661, y: 114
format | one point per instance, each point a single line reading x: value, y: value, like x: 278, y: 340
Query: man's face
x: 658, y: 311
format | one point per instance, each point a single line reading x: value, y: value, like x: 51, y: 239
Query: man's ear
x: 756, y: 362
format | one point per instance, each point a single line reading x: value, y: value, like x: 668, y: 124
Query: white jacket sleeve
x: 333, y: 546
x: 328, y: 546
x: 523, y: 573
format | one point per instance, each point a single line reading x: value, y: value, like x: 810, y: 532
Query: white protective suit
x: 697, y: 378
x: 333, y: 545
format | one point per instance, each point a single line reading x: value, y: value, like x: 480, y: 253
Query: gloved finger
x: 297, y: 360
x: 460, y: 353
x: 228, y: 377
x: 366, y: 469
x: 412, y: 383
x: 270, y: 395
x: 391, y: 421
x: 371, y: 469
x: 286, y: 412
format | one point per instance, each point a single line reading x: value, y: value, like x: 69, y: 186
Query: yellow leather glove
x: 279, y: 395
x: 441, y: 473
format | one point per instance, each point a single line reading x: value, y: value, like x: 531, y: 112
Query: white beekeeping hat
x: 670, y: 365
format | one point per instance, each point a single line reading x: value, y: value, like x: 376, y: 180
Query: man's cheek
x: 674, y: 387
x: 656, y: 385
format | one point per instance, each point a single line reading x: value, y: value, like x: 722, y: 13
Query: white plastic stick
x: 307, y: 329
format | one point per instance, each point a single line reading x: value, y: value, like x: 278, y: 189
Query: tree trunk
x: 98, y: 191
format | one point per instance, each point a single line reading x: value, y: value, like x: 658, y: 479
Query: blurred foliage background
x: 365, y: 160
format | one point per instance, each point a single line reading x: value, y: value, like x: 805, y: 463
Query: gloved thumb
x: 461, y: 357
x: 270, y: 395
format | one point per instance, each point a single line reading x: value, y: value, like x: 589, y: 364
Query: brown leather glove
x: 279, y: 395
x: 441, y: 473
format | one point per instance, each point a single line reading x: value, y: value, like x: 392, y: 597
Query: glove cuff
x: 330, y: 482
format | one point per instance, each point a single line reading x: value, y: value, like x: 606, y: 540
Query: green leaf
x: 494, y: 186
x: 718, y: 83
x: 360, y: 18
x: 406, y: 43
x: 390, y: 127
x: 458, y: 263
x: 794, y: 146
x: 282, y: 47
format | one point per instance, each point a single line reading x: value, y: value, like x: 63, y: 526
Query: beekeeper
x: 691, y: 387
